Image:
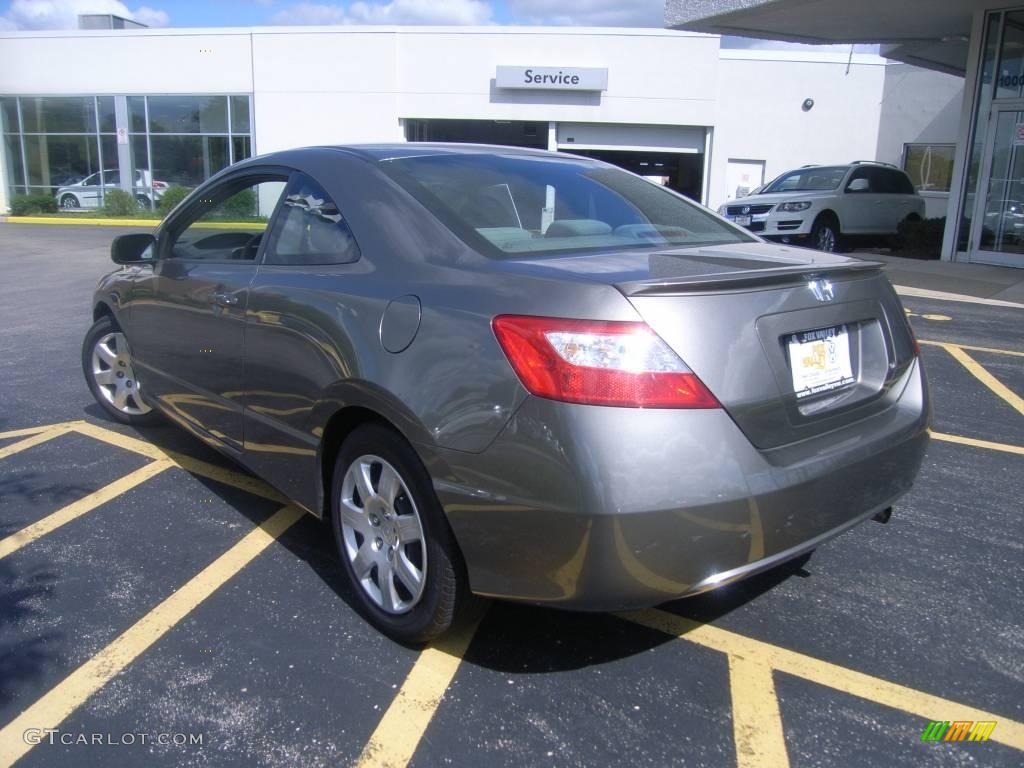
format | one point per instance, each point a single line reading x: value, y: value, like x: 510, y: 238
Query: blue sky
x: 42, y: 14
x: 62, y: 14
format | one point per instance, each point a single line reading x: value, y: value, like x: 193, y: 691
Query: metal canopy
x: 930, y: 33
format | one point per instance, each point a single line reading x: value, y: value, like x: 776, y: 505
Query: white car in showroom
x: 86, y: 193
x: 830, y: 207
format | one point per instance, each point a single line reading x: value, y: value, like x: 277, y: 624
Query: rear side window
x: 900, y: 183
x: 310, y: 229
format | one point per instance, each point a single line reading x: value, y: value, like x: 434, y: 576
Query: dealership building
x: 150, y: 107
x: 981, y: 41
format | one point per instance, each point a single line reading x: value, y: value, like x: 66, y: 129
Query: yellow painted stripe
x: 76, y: 509
x: 64, y: 698
x: 975, y: 443
x: 30, y: 442
x: 83, y: 221
x: 910, y: 700
x: 933, y: 343
x: 400, y: 730
x: 33, y: 430
x: 756, y: 720
x: 981, y: 374
x: 239, y: 480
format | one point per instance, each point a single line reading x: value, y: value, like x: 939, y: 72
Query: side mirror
x: 132, y: 249
x: 859, y: 185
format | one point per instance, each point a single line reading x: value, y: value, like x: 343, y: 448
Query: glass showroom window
x: 183, y: 140
x: 68, y: 146
x: 929, y: 166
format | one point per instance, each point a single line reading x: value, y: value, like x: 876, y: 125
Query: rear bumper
x: 610, y: 508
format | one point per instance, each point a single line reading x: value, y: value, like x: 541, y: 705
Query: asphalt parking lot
x: 149, y: 588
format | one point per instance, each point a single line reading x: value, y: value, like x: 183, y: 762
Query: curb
x: 924, y: 293
x: 85, y: 222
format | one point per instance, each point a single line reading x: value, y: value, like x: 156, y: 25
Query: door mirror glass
x: 132, y: 249
x: 859, y: 185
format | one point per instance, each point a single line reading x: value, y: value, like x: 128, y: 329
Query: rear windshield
x: 521, y: 204
x: 808, y: 180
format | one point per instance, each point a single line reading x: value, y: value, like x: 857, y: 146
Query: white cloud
x: 393, y: 12
x: 590, y: 13
x: 63, y: 14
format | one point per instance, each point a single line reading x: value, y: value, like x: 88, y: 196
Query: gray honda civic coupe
x: 513, y: 373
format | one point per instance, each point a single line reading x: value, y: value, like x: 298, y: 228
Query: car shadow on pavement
x: 512, y: 637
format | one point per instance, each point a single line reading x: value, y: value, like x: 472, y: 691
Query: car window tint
x: 229, y: 224
x: 901, y: 183
x: 311, y: 229
x: 812, y: 178
x: 531, y: 204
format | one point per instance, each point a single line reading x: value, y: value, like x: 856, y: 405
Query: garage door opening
x: 683, y: 172
x: 509, y: 133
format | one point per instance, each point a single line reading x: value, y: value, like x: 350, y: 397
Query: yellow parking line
x: 933, y: 343
x: 34, y: 430
x: 76, y: 509
x: 756, y: 720
x: 69, y: 694
x: 239, y: 480
x: 986, y: 378
x: 29, y: 442
x: 910, y: 700
x: 400, y: 730
x: 975, y: 443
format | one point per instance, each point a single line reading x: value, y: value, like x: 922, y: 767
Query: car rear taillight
x: 598, y: 363
x: 159, y: 185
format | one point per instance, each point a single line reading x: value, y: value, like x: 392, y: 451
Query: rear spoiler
x: 746, y: 279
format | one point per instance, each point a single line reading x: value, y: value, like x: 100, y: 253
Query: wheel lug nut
x: 120, y: 374
x: 378, y: 542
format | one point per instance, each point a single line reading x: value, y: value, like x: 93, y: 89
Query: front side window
x: 229, y: 224
x: 525, y: 204
x: 310, y: 229
x: 812, y: 179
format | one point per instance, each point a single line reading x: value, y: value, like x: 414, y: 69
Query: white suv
x: 829, y: 207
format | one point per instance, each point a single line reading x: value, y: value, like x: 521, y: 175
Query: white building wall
x: 919, y: 106
x: 760, y: 115
x: 125, y: 62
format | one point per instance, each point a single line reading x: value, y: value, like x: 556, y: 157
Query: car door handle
x: 223, y: 299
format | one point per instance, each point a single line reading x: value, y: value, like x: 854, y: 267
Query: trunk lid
x: 742, y: 317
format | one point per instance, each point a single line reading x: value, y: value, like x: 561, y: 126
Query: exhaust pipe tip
x: 883, y: 516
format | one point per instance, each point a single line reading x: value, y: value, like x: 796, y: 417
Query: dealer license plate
x: 743, y: 221
x: 820, y: 360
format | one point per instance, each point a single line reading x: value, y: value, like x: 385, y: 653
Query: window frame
x: 293, y: 179
x: 235, y: 181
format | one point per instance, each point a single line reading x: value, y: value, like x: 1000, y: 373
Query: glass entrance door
x: 998, y: 230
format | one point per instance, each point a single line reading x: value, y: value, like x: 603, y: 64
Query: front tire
x: 400, y: 556
x: 107, y: 364
x: 825, y: 235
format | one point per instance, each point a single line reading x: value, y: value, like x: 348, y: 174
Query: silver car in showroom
x: 512, y: 373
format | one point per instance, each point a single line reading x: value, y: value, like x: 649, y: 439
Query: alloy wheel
x: 114, y: 376
x: 68, y: 202
x: 383, y: 534
x: 826, y: 239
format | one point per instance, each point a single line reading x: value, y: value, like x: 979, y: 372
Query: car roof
x: 424, y: 149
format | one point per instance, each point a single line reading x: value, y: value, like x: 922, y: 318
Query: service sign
x: 552, y: 78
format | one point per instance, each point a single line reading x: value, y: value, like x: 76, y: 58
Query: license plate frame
x: 743, y: 221
x: 820, y: 360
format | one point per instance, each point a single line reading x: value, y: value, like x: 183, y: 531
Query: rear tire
x: 69, y: 202
x: 825, y: 235
x: 107, y: 365
x: 398, y: 552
